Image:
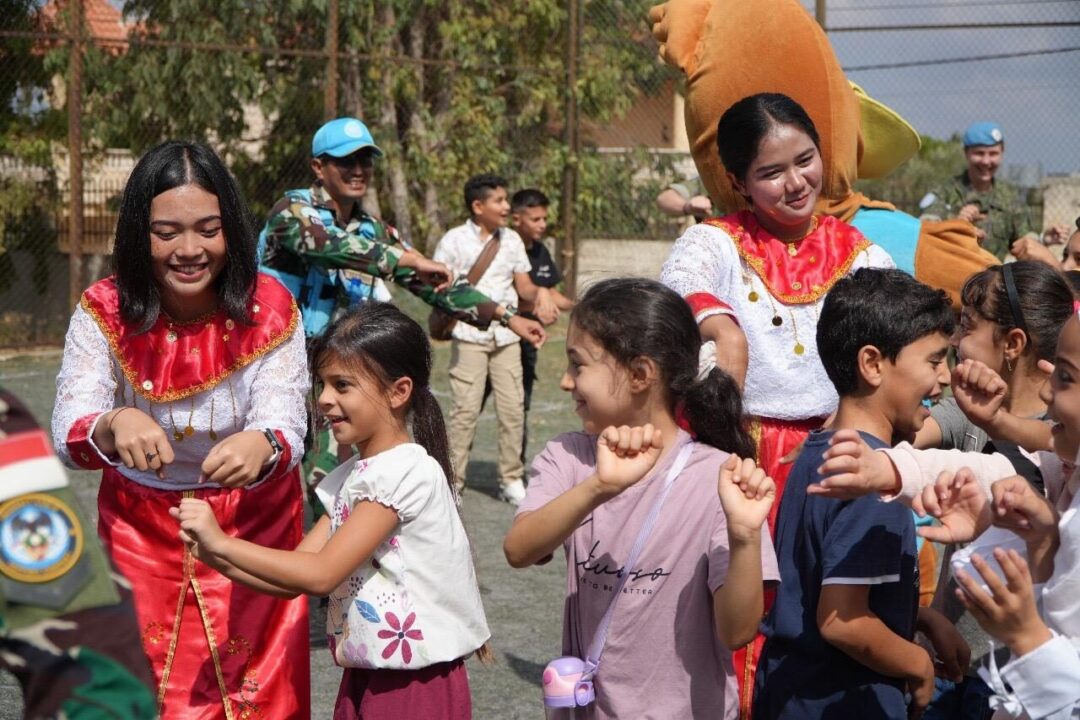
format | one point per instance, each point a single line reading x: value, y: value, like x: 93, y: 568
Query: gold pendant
x: 189, y: 431
x: 799, y: 349
x: 177, y: 435
x: 753, y: 296
x: 792, y: 250
x: 777, y: 321
x: 213, y: 435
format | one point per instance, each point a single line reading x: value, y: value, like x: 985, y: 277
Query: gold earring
x: 1008, y: 364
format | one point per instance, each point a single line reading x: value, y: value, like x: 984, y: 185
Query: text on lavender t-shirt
x: 662, y: 658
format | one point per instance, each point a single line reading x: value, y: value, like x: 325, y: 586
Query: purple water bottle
x: 565, y: 690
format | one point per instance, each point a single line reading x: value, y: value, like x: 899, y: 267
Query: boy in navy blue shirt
x: 839, y: 637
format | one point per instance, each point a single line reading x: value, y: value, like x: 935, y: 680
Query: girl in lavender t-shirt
x: 695, y: 591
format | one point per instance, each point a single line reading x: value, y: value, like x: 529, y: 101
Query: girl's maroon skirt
x: 436, y: 692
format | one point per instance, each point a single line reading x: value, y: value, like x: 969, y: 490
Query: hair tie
x: 706, y: 359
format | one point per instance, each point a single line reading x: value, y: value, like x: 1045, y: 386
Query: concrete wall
x: 599, y: 259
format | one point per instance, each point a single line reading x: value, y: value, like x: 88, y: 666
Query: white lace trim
x: 779, y: 383
x: 268, y: 393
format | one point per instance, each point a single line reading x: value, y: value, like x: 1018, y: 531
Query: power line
x: 954, y: 26
x: 946, y: 6
x: 970, y: 58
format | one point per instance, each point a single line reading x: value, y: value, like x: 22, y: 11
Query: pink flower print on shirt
x: 401, y: 634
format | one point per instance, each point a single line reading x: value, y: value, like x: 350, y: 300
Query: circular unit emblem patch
x: 40, y: 538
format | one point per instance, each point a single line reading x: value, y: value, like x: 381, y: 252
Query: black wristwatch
x: 509, y: 312
x: 271, y: 437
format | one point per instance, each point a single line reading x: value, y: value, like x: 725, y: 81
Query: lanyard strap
x: 596, y: 647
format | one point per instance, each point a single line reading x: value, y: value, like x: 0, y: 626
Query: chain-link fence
x: 564, y: 95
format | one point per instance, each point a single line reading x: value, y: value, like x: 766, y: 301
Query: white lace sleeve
x: 86, y: 384
x: 700, y: 264
x: 877, y: 257
x: 279, y: 390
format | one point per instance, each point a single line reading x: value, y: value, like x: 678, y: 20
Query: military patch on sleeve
x: 41, y: 538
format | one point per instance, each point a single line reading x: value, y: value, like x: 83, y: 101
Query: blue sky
x: 1036, y: 99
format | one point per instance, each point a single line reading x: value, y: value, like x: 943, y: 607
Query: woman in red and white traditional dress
x: 756, y: 279
x: 185, y: 375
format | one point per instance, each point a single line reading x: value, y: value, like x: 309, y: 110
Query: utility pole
x: 819, y: 12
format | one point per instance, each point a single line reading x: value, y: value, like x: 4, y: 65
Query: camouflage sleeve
x: 295, y: 227
x: 942, y: 203
x: 461, y: 300
x: 1022, y: 224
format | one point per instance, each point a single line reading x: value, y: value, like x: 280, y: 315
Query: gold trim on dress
x: 171, y: 655
x: 211, y: 640
x: 758, y: 266
x: 147, y: 392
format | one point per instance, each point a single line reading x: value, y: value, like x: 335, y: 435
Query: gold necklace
x: 188, y: 431
x: 777, y: 321
x: 792, y: 248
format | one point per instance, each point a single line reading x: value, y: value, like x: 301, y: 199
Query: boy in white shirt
x: 477, y: 355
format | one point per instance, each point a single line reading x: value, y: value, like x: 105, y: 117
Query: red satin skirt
x: 774, y: 439
x: 218, y: 649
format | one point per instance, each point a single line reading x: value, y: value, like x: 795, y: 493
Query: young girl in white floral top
x: 392, y: 554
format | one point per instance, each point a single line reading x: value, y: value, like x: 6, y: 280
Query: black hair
x: 743, y: 126
x: 1073, y: 278
x: 170, y: 165
x: 634, y: 317
x: 888, y: 309
x: 528, y: 198
x: 387, y: 344
x: 1044, y: 295
x: 478, y: 187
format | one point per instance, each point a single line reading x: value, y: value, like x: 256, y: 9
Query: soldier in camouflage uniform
x: 330, y: 254
x: 994, y: 207
x: 67, y: 622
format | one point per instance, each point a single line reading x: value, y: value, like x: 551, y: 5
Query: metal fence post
x: 567, y: 242
x: 75, y: 156
x: 330, y: 92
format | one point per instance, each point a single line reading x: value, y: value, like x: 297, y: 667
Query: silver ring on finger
x: 150, y: 456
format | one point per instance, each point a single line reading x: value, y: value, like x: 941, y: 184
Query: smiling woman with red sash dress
x: 185, y: 375
x: 756, y: 280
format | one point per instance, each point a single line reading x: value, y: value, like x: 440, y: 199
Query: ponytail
x: 713, y: 408
x: 429, y: 429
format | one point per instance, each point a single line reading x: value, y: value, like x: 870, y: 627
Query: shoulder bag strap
x: 596, y: 647
x: 484, y: 259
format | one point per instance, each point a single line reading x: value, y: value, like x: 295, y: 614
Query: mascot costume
x: 730, y: 49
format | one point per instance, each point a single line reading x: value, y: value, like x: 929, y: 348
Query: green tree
x: 449, y: 89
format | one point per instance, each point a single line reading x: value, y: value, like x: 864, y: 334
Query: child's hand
x: 853, y: 469
x: 199, y: 529
x: 921, y: 686
x: 952, y: 651
x: 1018, y: 507
x: 1009, y: 613
x: 979, y: 392
x: 959, y: 504
x: 746, y: 494
x: 237, y: 460
x: 626, y: 454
